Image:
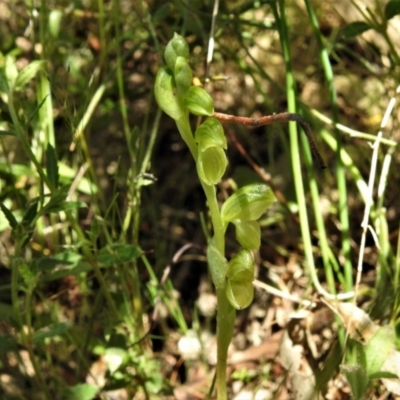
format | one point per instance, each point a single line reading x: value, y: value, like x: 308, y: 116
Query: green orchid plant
x: 233, y: 280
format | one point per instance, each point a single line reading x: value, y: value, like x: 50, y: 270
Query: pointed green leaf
x: 354, y: 29
x: 31, y: 213
x: 357, y: 379
x: 379, y: 348
x: 9, y: 215
x: 28, y: 73
x: 164, y: 91
x: 52, y: 166
x: 117, y: 253
x: 392, y: 9
x: 56, y: 329
x: 217, y: 264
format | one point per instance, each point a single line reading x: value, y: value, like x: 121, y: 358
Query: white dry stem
x: 369, y: 199
x: 211, y: 41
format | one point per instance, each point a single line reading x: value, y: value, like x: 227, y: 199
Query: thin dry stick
x: 277, y: 118
x: 365, y: 225
x: 211, y: 41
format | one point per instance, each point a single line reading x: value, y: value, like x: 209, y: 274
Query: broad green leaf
x: 28, y: 73
x: 354, y: 29
x: 379, y: 348
x: 50, y: 331
x: 83, y: 391
x: 52, y: 166
x: 392, y: 9
x: 117, y: 253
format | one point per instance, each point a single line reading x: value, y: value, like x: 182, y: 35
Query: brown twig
x: 276, y: 118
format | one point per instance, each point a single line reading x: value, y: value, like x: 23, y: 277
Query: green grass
x: 98, y: 193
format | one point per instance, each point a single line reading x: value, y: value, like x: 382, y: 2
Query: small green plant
x: 369, y: 361
x: 233, y: 280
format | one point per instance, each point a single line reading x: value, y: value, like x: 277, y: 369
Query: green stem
x: 226, y: 313
x: 225, y: 325
x: 340, y: 170
x: 294, y: 145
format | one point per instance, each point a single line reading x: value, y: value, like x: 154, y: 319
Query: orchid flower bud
x: 182, y: 76
x: 211, y: 161
x: 248, y: 203
x: 240, y: 276
x: 199, y: 102
x: 248, y: 234
x: 176, y: 47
